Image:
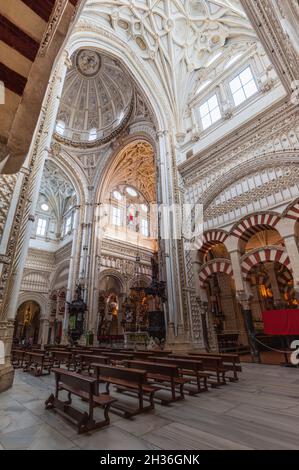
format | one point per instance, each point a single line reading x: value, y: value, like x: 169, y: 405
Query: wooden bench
x: 127, y: 380
x: 165, y: 375
x: 210, y: 364
x: 39, y: 362
x: 86, y: 360
x: 18, y: 356
x: 117, y: 358
x: 162, y: 353
x: 231, y: 362
x: 62, y: 357
x: 85, y: 388
x: 187, y: 368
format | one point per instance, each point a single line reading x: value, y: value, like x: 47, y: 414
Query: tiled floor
x: 259, y: 412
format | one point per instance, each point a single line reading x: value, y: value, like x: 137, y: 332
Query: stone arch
x: 108, y: 172
x: 140, y: 278
x: 71, y: 170
x: 115, y: 274
x: 292, y: 211
x: 40, y: 299
x: 261, y: 255
x: 62, y: 266
x: 112, y: 45
x: 250, y: 225
x: 213, y: 267
x: 211, y: 238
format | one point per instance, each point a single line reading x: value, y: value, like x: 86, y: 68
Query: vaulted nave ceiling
x: 179, y: 38
x: 56, y: 190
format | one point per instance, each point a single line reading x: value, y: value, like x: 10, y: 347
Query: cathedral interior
x: 149, y: 218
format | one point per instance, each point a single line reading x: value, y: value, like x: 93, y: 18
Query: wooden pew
x: 231, y: 362
x: 62, y: 357
x: 18, y: 356
x: 127, y: 380
x: 85, y: 388
x: 188, y: 367
x: 118, y: 357
x: 210, y: 364
x: 165, y: 374
x: 37, y: 362
x: 86, y: 361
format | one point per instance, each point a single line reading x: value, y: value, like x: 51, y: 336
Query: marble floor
x: 259, y: 412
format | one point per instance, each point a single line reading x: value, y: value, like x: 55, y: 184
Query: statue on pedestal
x: 77, y: 310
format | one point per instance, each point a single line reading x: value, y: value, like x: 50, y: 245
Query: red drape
x: 281, y: 322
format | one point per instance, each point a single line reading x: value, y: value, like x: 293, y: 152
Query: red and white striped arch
x: 245, y: 229
x: 212, y: 238
x: 278, y: 255
x: 213, y: 267
x: 292, y: 211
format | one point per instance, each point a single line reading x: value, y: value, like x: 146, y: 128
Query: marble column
x: 243, y: 294
x: 25, y: 212
x: 270, y: 268
x: 72, y: 272
x: 287, y: 229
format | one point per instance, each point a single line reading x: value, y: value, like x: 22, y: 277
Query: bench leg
x: 151, y: 399
x: 140, y: 396
x: 50, y: 402
x: 106, y: 413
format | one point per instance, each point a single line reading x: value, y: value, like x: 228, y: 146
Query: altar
x: 135, y: 339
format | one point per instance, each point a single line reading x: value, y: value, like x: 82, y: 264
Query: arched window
x: 60, y: 127
x: 93, y: 134
x: 68, y: 225
x: 41, y: 227
x: 144, y: 227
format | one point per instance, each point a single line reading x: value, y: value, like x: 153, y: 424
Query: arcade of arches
x: 174, y: 109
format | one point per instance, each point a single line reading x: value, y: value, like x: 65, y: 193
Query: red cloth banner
x: 281, y: 322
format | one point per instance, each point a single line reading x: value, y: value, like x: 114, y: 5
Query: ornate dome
x: 97, y: 100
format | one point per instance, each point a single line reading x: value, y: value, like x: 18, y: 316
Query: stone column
x: 287, y: 229
x: 44, y: 331
x: 243, y: 294
x: 24, y: 215
x: 6, y: 369
x: 72, y: 272
x: 168, y: 195
x: 270, y: 268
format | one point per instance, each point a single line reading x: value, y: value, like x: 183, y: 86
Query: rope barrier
x: 272, y: 349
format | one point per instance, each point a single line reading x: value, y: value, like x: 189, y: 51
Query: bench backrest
x: 156, y: 368
x: 227, y: 357
x: 131, y: 375
x: 188, y: 364
x: 89, y: 358
x: 119, y: 356
x: 213, y: 362
x: 76, y: 381
x: 61, y: 355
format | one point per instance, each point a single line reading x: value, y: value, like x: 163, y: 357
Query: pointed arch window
x: 60, y: 127
x: 93, y: 134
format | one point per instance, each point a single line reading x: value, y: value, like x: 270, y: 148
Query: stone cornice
x: 278, y: 46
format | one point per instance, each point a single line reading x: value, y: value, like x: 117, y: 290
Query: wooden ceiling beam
x: 12, y: 80
x: 42, y: 8
x: 17, y: 39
